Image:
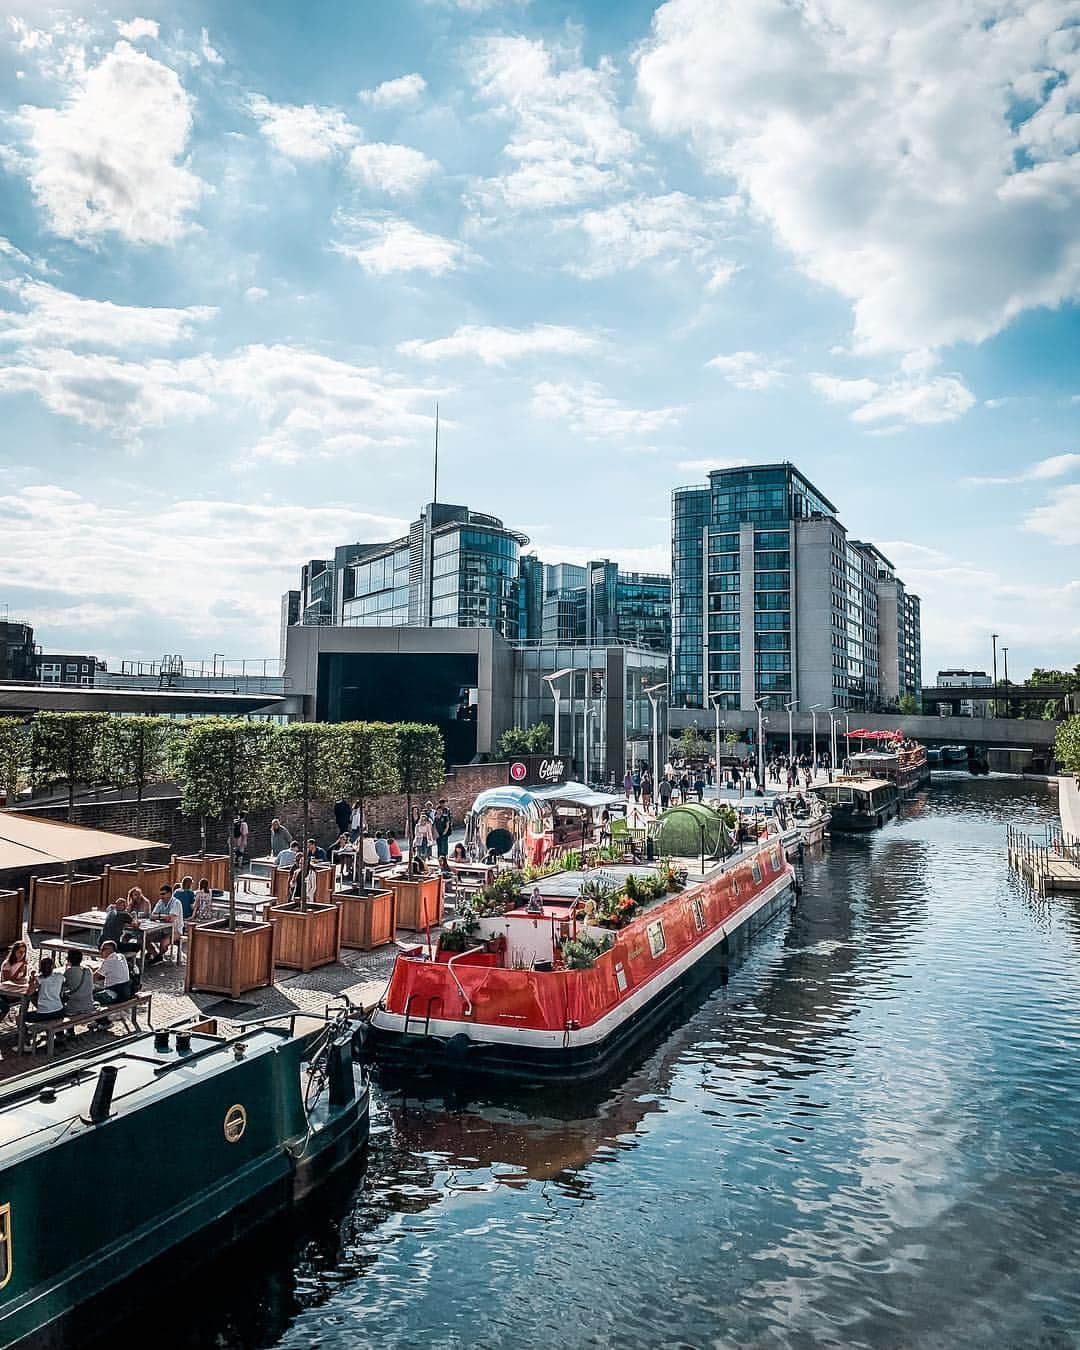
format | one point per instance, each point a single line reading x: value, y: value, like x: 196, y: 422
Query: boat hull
x: 462, y: 1051
x: 181, y: 1194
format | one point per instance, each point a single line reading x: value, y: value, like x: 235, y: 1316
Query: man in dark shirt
x: 118, y: 925
x: 444, y: 824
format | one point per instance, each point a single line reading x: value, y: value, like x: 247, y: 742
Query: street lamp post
x: 589, y: 710
x: 715, y: 700
x: 813, y: 753
x: 790, y: 706
x: 847, y: 735
x: 832, y: 735
x: 993, y: 639
x: 762, y: 723
x: 556, y: 694
x: 653, y: 691
x: 1005, y: 654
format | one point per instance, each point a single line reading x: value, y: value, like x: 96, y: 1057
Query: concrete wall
x: 747, y: 680
x: 1069, y: 806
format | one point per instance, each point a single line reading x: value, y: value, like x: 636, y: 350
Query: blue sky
x: 244, y: 249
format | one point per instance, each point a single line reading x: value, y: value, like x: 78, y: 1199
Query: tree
x: 908, y: 704
x: 418, y: 758
x: 14, y: 755
x: 536, y: 740
x: 137, y: 751
x: 1067, y: 745
x: 65, y: 747
x: 226, y: 766
x: 691, y: 744
x: 369, y: 750
x: 309, y: 762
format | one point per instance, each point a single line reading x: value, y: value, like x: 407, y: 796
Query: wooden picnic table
x: 92, y: 922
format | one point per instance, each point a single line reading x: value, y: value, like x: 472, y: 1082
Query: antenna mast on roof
x: 431, y: 528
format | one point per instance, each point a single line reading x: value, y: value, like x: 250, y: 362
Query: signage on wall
x: 538, y: 770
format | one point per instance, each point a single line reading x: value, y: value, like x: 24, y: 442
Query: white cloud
x: 708, y: 465
x: 136, y: 29
x: 667, y: 229
x: 210, y: 53
x: 406, y: 89
x: 1059, y: 518
x: 383, y: 245
x: 905, y: 399
x: 920, y: 159
x: 51, y: 316
x: 593, y: 414
x: 303, y: 132
x: 497, y: 346
x: 396, y: 169
x: 110, y: 159
x: 1055, y: 466
x: 746, y: 370
x: 567, y: 142
x: 113, y: 569
x: 256, y: 293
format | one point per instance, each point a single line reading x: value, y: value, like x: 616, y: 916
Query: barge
x: 905, y: 764
x: 858, y: 804
x: 113, y: 1158
x: 554, y: 989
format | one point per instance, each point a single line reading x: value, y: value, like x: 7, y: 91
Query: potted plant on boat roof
x: 309, y: 764
x: 227, y: 765
x: 419, y: 766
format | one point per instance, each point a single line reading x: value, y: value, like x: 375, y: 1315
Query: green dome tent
x: 681, y: 830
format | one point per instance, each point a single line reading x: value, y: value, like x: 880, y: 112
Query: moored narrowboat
x: 112, y: 1158
x: 554, y: 988
x: 858, y: 804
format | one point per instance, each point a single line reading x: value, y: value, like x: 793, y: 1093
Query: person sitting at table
x: 118, y: 926
x: 14, y: 977
x: 382, y: 848
x: 186, y: 895
x: 287, y: 856
x: 202, y: 909
x: 47, y: 992
x: 78, y: 989
x: 417, y: 866
x: 113, y: 976
x: 169, y: 909
x: 137, y: 903
x: 393, y: 846
x: 315, y: 852
x: 459, y: 854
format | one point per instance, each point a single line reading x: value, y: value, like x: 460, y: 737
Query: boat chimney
x: 103, y: 1095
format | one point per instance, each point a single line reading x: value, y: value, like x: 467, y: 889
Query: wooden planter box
x: 306, y: 938
x: 213, y: 866
x: 54, y: 898
x: 11, y: 917
x: 324, y: 884
x: 230, y: 963
x: 417, y: 904
x: 149, y: 877
x: 367, y: 918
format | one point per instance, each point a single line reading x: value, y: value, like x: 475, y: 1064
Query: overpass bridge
x: 1001, y: 693
x: 24, y: 699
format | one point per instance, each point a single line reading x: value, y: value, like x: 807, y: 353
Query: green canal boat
x: 174, y: 1138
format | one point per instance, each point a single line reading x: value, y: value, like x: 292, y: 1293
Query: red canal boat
x: 556, y: 988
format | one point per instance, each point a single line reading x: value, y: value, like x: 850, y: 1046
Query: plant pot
x: 306, y: 938
x: 11, y: 917
x: 417, y: 904
x: 149, y: 877
x: 54, y: 898
x: 324, y: 884
x: 367, y: 918
x: 213, y: 866
x: 230, y: 963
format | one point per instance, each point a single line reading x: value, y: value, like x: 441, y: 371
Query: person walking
x: 280, y: 837
x: 444, y: 824
x: 664, y: 793
x: 699, y: 787
x: 628, y: 783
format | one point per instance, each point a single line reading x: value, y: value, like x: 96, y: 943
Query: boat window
x: 775, y: 860
x: 699, y: 915
x: 755, y: 868
x: 657, y: 941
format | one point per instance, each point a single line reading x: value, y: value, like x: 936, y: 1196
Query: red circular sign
x: 518, y: 771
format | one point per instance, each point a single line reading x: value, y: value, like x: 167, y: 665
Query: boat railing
x: 469, y: 951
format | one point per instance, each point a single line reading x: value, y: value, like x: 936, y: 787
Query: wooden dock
x: 1049, y: 862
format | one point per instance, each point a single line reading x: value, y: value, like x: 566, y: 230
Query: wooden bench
x: 29, y: 1032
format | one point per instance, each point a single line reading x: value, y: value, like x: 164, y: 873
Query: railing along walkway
x: 1048, y: 861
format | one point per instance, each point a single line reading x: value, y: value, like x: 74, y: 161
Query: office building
x: 598, y: 603
x: 772, y: 601
x: 66, y: 668
x: 17, y: 650
x: 965, y: 679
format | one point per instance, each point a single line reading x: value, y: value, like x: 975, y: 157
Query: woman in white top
x: 46, y: 989
x: 423, y: 837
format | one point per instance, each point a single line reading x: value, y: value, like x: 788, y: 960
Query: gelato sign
x: 537, y: 770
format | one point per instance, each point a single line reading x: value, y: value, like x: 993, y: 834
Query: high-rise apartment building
x: 598, y: 603
x: 771, y: 600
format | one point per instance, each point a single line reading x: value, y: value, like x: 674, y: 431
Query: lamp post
x: 654, y: 691
x: 556, y: 694
x: 790, y: 706
x: 762, y: 723
x: 589, y: 710
x: 714, y: 699
x: 832, y: 735
x: 993, y: 639
x: 813, y: 754
x: 1005, y: 654
x: 847, y: 735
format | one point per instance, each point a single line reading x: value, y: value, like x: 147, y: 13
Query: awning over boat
x: 26, y: 841
x: 863, y: 735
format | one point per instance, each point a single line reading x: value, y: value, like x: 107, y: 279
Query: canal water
x: 869, y: 1136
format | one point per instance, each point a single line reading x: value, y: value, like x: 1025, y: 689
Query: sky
x: 245, y: 249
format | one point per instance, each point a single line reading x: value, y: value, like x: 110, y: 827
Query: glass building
x: 771, y: 601
x: 598, y: 603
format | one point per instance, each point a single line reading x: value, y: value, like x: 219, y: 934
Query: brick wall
x: 160, y: 818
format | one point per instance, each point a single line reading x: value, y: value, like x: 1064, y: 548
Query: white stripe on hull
x: 604, y: 1026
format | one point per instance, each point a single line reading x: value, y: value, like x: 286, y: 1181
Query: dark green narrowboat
x: 113, y: 1158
